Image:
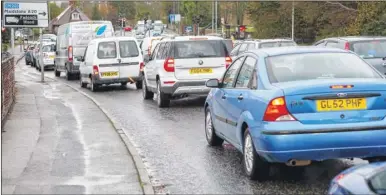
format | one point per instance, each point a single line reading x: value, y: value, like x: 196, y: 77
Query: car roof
x: 274, y: 51
x: 269, y: 40
x: 49, y: 43
x: 358, y: 38
x: 188, y: 38
x: 115, y: 39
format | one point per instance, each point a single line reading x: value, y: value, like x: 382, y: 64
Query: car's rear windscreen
x: 370, y: 49
x: 107, y: 50
x: 307, y: 66
x: 199, y: 49
x: 277, y: 44
x: 48, y: 48
x: 128, y: 49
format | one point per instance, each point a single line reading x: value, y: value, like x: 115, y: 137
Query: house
x: 70, y: 14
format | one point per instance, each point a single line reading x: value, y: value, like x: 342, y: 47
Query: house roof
x: 65, y: 16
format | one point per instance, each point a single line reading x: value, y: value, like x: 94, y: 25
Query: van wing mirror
x: 146, y: 58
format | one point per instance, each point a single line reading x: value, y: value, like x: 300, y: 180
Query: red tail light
x: 347, y: 46
x: 95, y: 69
x: 228, y: 61
x: 277, y: 111
x: 169, y: 65
x: 70, y: 57
x: 149, y: 50
x: 141, y: 66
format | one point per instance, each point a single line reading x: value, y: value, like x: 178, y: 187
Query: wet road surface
x: 172, y: 144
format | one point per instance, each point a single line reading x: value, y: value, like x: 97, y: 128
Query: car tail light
x: 228, y: 61
x: 141, y: 66
x: 347, y: 46
x: 277, y: 111
x: 95, y: 69
x: 149, y: 50
x: 169, y: 65
x: 339, y: 177
x: 70, y: 57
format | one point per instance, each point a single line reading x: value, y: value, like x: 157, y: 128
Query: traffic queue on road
x: 276, y: 102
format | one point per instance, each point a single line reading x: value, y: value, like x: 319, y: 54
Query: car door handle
x: 224, y: 97
x: 240, y: 97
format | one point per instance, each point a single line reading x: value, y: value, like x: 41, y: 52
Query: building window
x: 75, y: 16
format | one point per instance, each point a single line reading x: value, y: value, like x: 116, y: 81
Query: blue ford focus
x: 296, y: 105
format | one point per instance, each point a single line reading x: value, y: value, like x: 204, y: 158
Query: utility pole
x: 40, y: 53
x: 212, y: 16
x: 293, y: 20
x: 215, y: 12
x: 13, y: 41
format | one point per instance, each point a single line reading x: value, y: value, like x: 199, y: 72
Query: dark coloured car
x: 371, y: 48
x: 28, y: 55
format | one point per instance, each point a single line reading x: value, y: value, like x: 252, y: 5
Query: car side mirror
x: 146, y: 58
x: 212, y: 83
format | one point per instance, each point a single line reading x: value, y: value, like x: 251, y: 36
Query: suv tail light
x: 277, y: 111
x: 141, y: 66
x: 169, y: 65
x: 347, y: 46
x: 228, y: 61
x: 95, y: 69
x: 70, y: 57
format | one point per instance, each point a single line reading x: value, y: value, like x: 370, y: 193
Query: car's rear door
x: 107, y: 61
x: 130, y: 59
x: 199, y: 59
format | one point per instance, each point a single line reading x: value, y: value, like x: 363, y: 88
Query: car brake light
x: 95, y: 69
x: 347, y: 46
x: 228, y: 61
x: 169, y: 65
x: 339, y: 177
x: 141, y: 66
x: 277, y: 111
x: 70, y: 53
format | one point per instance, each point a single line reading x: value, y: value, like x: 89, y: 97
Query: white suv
x: 180, y: 66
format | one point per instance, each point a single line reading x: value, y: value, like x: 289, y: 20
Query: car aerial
x: 180, y: 66
x: 260, y: 43
x: 361, y: 179
x: 111, y: 60
x: 370, y: 48
x: 295, y: 105
x: 47, y: 56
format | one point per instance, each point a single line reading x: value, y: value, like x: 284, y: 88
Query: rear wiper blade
x: 203, y: 56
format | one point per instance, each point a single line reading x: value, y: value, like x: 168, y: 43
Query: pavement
x: 58, y: 141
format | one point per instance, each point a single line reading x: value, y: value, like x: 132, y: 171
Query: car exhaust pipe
x: 295, y: 163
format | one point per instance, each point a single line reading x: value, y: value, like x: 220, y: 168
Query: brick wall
x: 7, y: 85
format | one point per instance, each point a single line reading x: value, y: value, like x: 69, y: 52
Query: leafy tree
x: 55, y: 10
x: 95, y: 13
x: 126, y: 8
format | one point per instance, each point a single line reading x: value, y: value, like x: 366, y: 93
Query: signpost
x: 24, y: 15
x: 188, y: 29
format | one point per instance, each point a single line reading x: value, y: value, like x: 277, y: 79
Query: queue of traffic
x: 276, y: 102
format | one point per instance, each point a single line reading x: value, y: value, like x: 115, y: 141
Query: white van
x: 111, y: 60
x: 72, y: 40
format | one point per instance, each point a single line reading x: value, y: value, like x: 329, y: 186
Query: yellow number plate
x: 109, y: 74
x: 200, y: 70
x: 341, y: 104
x: 52, y: 57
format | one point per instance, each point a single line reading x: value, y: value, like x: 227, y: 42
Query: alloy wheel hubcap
x: 209, y: 128
x: 248, y: 153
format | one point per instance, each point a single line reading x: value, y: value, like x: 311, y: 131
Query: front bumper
x: 274, y: 147
x: 186, y: 87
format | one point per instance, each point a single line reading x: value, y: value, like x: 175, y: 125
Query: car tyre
x: 57, y: 73
x: 82, y: 84
x: 138, y: 84
x: 162, y: 98
x: 93, y: 85
x: 68, y: 75
x: 210, y: 133
x: 145, y: 92
x: 255, y: 167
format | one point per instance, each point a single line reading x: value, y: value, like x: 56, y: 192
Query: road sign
x: 177, y: 17
x: 188, y: 29
x: 22, y: 14
x: 172, y: 18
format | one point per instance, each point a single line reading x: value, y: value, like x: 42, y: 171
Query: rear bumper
x: 345, y: 143
x: 116, y: 80
x: 186, y: 87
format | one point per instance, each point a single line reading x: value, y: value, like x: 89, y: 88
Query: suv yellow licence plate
x: 109, y: 74
x: 200, y: 70
x: 341, y: 104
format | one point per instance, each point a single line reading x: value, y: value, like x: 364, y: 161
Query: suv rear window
x: 370, y: 49
x: 128, y: 49
x: 296, y: 67
x: 107, y: 50
x: 277, y: 44
x: 199, y: 49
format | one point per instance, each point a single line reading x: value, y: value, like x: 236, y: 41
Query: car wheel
x: 94, y: 86
x: 124, y: 84
x: 138, y: 84
x: 146, y: 93
x: 255, y: 167
x: 82, y: 84
x: 68, y: 75
x: 57, y: 73
x: 211, y: 137
x: 162, y: 99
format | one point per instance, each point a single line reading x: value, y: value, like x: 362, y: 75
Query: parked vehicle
x: 361, y: 179
x: 180, y: 66
x: 260, y: 43
x: 72, y: 41
x: 28, y: 55
x: 371, y: 49
x: 295, y: 105
x: 147, y: 44
x: 111, y: 60
x: 46, y: 56
x: 35, y: 54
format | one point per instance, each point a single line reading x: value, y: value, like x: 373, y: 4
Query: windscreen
x: 370, y: 49
x: 378, y: 182
x: 199, y: 49
x: 157, y: 28
x: 48, y: 48
x: 128, y: 49
x: 107, y: 50
x: 295, y: 67
x: 141, y: 28
x: 277, y: 44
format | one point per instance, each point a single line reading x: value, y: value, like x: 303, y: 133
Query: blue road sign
x: 172, y: 17
x: 188, y: 29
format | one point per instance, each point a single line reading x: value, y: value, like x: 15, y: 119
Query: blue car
x: 295, y: 105
x: 367, y: 179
